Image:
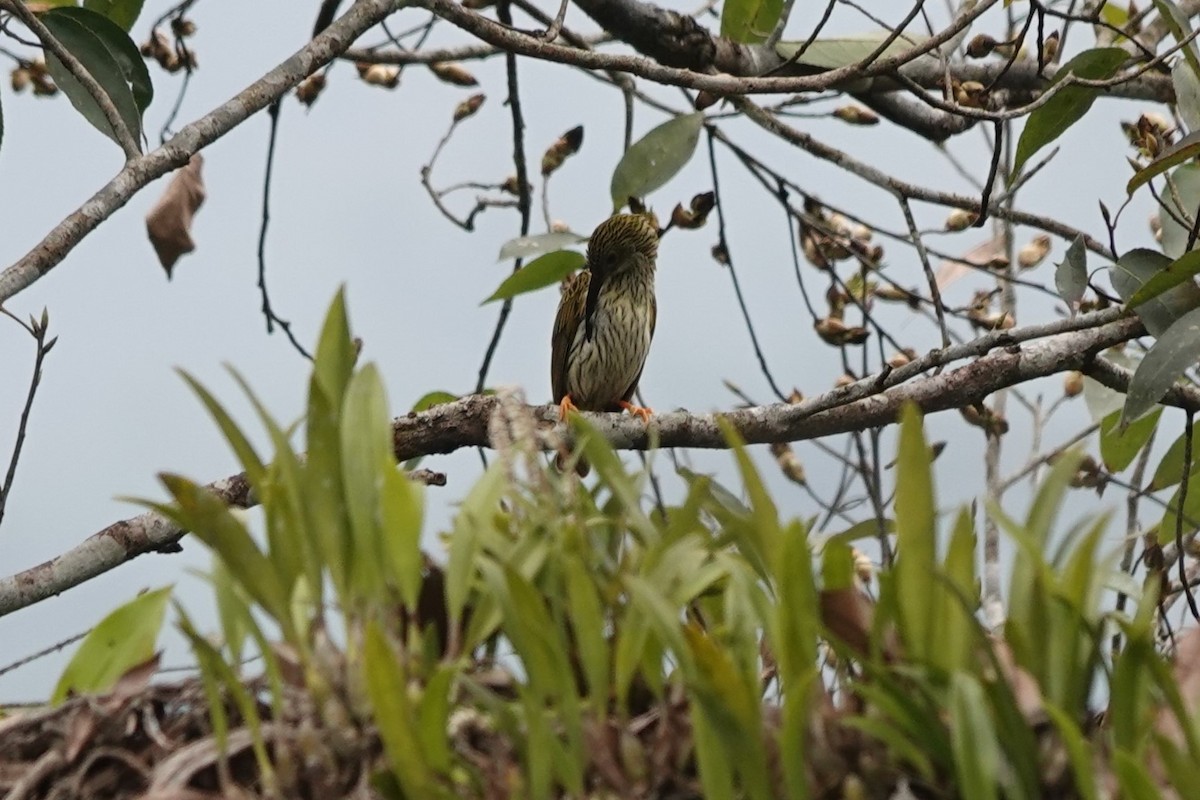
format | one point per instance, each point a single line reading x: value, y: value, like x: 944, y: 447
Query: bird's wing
x: 566, y: 325
x: 628, y: 396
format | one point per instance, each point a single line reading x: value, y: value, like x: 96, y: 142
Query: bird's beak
x: 593, y: 297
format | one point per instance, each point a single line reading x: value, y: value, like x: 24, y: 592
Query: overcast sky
x: 347, y: 208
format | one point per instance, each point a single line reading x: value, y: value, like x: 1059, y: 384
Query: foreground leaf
x: 121, y: 641
x: 1176, y: 350
x: 1137, y: 268
x: 1070, y: 276
x: 655, y: 158
x: 1120, y: 445
x: 749, y: 21
x: 1051, y: 120
x: 108, y: 54
x: 530, y: 246
x: 538, y: 274
x: 123, y: 12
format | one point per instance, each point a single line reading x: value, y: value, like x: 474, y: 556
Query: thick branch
x: 139, y: 172
x: 871, y: 402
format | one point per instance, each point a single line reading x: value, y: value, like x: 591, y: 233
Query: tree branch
x: 871, y: 402
x: 192, y: 138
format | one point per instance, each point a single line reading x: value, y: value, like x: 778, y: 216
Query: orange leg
x: 566, y: 406
x: 637, y: 411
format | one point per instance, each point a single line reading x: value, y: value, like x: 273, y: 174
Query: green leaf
x: 1079, y: 751
x: 538, y: 244
x: 1134, y: 782
x: 1137, y: 268
x: 122, y: 640
x: 1120, y: 445
x: 387, y: 687
x: 366, y: 446
x: 336, y: 353
x: 431, y: 399
x: 916, y: 536
x: 842, y: 51
x: 1181, y: 203
x: 1070, y: 277
x: 749, y: 21
x: 1180, y: 270
x: 111, y: 57
x: 123, y: 12
x: 1181, y: 152
x: 1052, y: 119
x: 655, y: 158
x: 1191, y: 509
x: 210, y: 520
x: 1170, y: 469
x: 233, y: 434
x: 538, y: 274
x: 1181, y: 29
x: 1176, y: 350
x: 976, y: 751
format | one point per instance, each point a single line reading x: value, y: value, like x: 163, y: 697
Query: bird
x: 605, y: 321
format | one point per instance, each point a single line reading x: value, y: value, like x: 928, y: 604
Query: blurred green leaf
x: 976, y: 751
x: 210, y: 520
x: 655, y: 158
x: 123, y: 12
x: 230, y: 604
x: 108, y: 54
x: 1079, y: 751
x: 916, y: 536
x: 246, y: 454
x: 433, y: 718
x: 538, y: 244
x: 1176, y: 350
x: 749, y: 21
x: 842, y: 51
x: 366, y: 455
x: 588, y: 623
x: 1134, y: 782
x: 387, y: 688
x: 336, y: 353
x: 1191, y: 507
x: 1170, y: 470
x: 1178, y: 153
x: 470, y: 527
x: 122, y: 640
x: 544, y: 271
x: 1070, y: 276
x: 1179, y: 271
x: 431, y: 399
x: 1119, y: 446
x: 1181, y: 202
x: 1052, y: 119
x: 401, y: 508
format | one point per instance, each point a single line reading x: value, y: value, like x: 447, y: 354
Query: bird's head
x: 621, y: 242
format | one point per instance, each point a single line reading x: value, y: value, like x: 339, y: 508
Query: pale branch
x: 176, y: 152
x: 121, y: 132
x: 871, y: 402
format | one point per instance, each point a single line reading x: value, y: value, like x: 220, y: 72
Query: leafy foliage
x: 574, y: 642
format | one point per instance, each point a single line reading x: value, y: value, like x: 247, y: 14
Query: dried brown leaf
x: 169, y: 223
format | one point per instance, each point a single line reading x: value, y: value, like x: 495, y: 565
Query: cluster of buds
x: 979, y: 415
x: 453, y: 73
x: 310, y: 89
x: 1073, y: 383
x: 981, y: 314
x: 833, y: 331
x: 468, y: 107
x: 789, y: 463
x: 970, y: 94
x: 981, y: 46
x: 1089, y: 475
x: 386, y: 76
x: 33, y: 75
x: 902, y: 358
x: 897, y: 294
x: 831, y: 238
x: 511, y: 186
x: 563, y: 148
x: 1150, y: 134
x: 1034, y: 253
x: 856, y: 115
x: 172, y: 57
x: 696, y: 214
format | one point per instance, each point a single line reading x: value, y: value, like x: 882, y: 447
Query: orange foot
x: 637, y: 411
x: 566, y: 406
